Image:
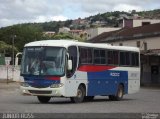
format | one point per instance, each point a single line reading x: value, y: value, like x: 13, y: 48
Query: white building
x: 49, y: 33
x: 64, y: 30
x: 96, y: 31
x: 139, y: 22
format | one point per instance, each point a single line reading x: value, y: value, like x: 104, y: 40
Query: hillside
x: 34, y: 31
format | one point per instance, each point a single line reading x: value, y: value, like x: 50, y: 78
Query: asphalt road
x: 146, y: 100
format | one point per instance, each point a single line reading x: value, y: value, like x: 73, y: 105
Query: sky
x: 29, y: 11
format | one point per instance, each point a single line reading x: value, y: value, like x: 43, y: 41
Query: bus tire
x: 111, y: 97
x: 88, y: 98
x: 80, y: 95
x: 43, y: 99
x: 120, y: 93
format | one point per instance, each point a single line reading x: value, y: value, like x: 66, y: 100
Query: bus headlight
x: 24, y: 84
x: 56, y: 85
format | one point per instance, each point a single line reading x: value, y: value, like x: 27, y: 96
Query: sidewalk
x: 151, y: 86
x: 10, y: 86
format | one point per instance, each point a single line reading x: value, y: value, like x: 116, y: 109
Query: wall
x: 96, y: 31
x: 152, y: 43
x: 146, y: 74
x: 12, y: 74
x: 2, y: 59
x: 64, y: 30
x: 138, y: 22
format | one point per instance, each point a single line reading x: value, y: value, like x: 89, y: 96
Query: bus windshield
x: 43, y: 61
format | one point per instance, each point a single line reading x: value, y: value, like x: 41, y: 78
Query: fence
x: 13, y: 74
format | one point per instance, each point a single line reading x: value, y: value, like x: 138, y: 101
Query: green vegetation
x: 62, y: 36
x: 153, y: 14
x: 24, y: 33
x: 5, y: 48
x: 34, y: 31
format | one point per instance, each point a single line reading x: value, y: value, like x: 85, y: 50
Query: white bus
x: 80, y: 71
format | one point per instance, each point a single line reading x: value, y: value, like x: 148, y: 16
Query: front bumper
x: 52, y: 92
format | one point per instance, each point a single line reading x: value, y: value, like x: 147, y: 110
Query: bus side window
x: 129, y: 59
x: 85, y: 56
x: 113, y: 57
x: 135, y: 59
x: 99, y: 56
x: 110, y: 57
x: 116, y: 57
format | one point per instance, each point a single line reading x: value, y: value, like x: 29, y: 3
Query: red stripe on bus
x: 53, y: 78
x: 94, y: 68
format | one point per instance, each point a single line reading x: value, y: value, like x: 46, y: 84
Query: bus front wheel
x: 43, y: 99
x: 80, y: 95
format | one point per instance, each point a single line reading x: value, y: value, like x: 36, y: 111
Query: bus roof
x: 67, y: 43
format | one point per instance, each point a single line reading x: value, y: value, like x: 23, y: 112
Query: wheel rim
x: 120, y: 93
x: 79, y: 93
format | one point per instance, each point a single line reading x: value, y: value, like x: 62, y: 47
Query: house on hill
x: 135, y: 22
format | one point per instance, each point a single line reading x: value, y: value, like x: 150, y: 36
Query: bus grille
x: 40, y: 92
x: 39, y: 86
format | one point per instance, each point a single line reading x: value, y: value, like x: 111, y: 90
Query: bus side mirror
x: 69, y: 64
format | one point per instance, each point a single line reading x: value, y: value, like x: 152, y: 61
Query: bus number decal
x: 115, y: 74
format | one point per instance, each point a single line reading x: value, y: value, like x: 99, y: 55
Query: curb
x: 8, y: 81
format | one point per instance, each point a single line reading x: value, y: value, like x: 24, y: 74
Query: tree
x: 62, y: 36
x: 24, y: 33
x: 6, y: 49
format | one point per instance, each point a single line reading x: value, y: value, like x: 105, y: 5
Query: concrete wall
x: 64, y: 30
x: 13, y: 75
x: 138, y: 22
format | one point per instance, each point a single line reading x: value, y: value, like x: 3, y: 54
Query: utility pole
x: 13, y: 38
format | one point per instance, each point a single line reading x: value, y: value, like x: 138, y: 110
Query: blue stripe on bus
x: 106, y: 82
